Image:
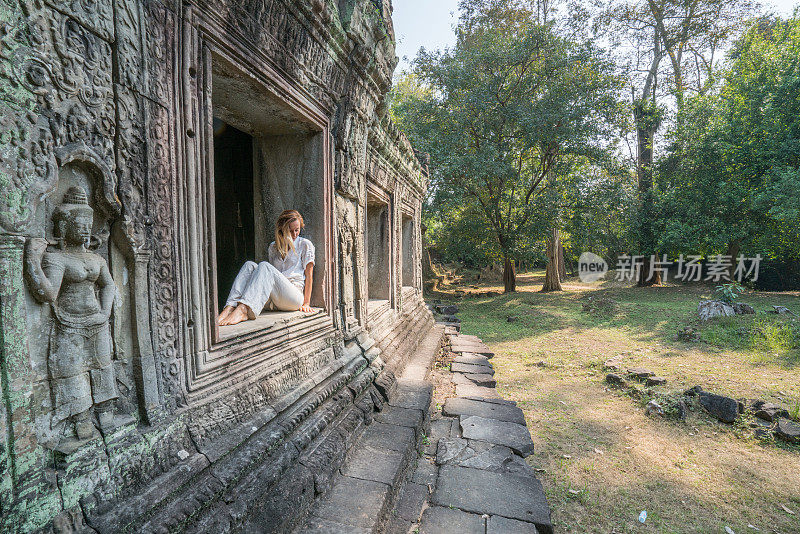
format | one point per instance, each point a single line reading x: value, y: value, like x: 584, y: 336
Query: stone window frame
x: 407, y: 212
x: 262, y: 349
x: 386, y: 198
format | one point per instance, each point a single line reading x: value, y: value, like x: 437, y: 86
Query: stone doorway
x: 233, y: 193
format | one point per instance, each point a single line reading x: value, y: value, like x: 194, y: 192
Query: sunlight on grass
x: 690, y: 476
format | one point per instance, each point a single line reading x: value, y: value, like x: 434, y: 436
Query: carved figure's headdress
x: 76, y: 195
x: 76, y: 202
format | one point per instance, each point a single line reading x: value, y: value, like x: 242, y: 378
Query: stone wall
x: 124, y: 406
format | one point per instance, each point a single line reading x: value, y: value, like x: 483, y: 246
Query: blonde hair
x: 282, y: 240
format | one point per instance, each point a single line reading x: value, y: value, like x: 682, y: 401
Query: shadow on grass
x: 614, y: 472
x: 644, y: 314
x: 647, y: 314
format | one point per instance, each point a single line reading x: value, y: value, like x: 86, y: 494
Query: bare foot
x: 241, y: 313
x: 224, y: 314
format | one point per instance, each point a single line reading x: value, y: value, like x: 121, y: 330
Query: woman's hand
x: 305, y: 308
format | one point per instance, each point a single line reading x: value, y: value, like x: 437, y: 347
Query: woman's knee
x: 267, y: 266
x: 248, y: 267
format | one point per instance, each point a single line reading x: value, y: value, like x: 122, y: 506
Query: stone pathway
x: 368, y: 485
x: 472, y: 476
x: 457, y: 468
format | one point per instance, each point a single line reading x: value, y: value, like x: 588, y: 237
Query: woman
x: 284, y: 282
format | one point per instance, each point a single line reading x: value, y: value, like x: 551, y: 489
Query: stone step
x: 471, y: 368
x: 379, y: 463
x: 483, y: 483
x: 471, y: 358
x: 454, y: 407
x: 478, y: 491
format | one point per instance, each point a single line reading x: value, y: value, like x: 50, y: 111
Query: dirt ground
x: 601, y: 459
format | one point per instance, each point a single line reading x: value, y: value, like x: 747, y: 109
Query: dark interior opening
x: 233, y: 203
x: 408, y: 251
x: 378, y: 250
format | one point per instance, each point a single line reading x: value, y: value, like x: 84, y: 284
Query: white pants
x: 257, y: 284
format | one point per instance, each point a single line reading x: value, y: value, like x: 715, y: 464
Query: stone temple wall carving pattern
x: 110, y: 96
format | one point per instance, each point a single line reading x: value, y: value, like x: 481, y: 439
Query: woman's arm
x: 309, y: 272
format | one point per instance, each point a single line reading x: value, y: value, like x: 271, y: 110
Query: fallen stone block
x: 655, y: 381
x: 723, y: 408
x: 640, y: 373
x: 615, y: 380
x: 787, y: 430
x: 714, y: 308
x: 512, y: 435
x: 771, y: 412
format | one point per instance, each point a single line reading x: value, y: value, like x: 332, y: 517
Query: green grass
x: 689, y: 476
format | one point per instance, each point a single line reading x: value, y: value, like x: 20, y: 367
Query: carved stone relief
x: 351, y: 260
x: 94, y: 144
x: 77, y: 284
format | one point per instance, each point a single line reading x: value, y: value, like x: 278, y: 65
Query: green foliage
x: 765, y: 335
x: 794, y: 411
x: 501, y: 114
x: 728, y: 293
x: 733, y: 171
x: 776, y: 337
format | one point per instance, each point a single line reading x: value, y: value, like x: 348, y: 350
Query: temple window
x: 266, y: 158
x: 407, y: 230
x: 378, y: 253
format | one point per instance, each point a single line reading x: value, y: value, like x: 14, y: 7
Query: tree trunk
x: 645, y: 280
x: 646, y: 126
x: 509, y: 276
x: 562, y: 266
x: 733, y: 251
x: 552, y: 282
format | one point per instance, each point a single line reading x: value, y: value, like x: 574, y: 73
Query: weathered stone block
x: 512, y: 435
x: 484, y: 492
x: 458, y: 406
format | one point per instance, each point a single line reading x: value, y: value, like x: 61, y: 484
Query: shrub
x: 727, y: 293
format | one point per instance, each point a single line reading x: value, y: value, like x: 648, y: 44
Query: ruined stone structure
x: 146, y: 148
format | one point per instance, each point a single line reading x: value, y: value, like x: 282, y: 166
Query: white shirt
x: 293, y: 266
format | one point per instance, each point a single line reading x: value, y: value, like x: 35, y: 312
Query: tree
x: 689, y: 33
x: 499, y: 111
x: 733, y: 173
